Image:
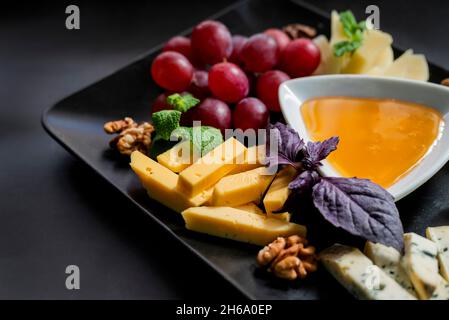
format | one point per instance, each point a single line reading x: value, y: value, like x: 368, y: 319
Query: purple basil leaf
x: 360, y: 207
x: 289, y: 145
x: 304, y: 182
x: 317, y: 151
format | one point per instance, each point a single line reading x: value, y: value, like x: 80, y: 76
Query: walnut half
x: 288, y: 258
x: 130, y: 136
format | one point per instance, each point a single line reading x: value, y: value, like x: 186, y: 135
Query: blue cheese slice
x: 389, y: 260
x: 442, y: 290
x: 360, y: 276
x: 440, y: 235
x: 421, y: 264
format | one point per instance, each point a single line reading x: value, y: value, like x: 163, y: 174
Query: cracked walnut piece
x: 297, y: 30
x: 445, y: 82
x: 131, y: 136
x: 289, y: 258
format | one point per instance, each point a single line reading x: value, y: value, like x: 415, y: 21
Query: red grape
x: 267, y: 88
x: 160, y: 103
x: 211, y: 112
x: 238, y: 42
x: 211, y: 42
x: 300, y: 58
x: 181, y: 45
x: 250, y: 113
x: 199, y: 87
x: 228, y: 82
x: 260, y: 53
x: 280, y: 36
x: 172, y: 71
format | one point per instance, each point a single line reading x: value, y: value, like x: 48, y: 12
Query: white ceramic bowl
x: 293, y: 93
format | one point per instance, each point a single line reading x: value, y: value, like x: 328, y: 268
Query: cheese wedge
x: 329, y: 64
x: 241, y: 188
x: 161, y: 184
x: 337, y: 32
x: 364, y: 58
x: 360, y: 276
x: 440, y: 235
x: 389, y: 260
x: 442, y: 290
x: 177, y: 158
x: 385, y: 59
x: 335, y: 64
x: 278, y: 192
x: 239, y: 225
x: 209, y: 169
x: 254, y: 158
x: 250, y: 207
x: 421, y: 264
x: 408, y: 66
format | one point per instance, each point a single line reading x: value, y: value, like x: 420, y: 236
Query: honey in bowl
x: 380, y: 139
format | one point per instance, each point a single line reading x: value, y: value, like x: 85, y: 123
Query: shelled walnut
x: 288, y: 258
x: 297, y: 30
x: 445, y: 82
x: 131, y: 136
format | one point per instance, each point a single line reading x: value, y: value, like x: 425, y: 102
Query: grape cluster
x: 224, y: 70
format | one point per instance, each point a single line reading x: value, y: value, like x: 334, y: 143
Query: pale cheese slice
x: 389, y: 260
x: 408, y: 66
x: 421, y: 264
x: 440, y: 235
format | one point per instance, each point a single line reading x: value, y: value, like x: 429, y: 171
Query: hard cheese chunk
x: 440, y: 235
x: 250, y: 207
x: 360, y: 276
x: 364, y: 58
x: 212, y: 167
x: 408, y: 66
x: 241, y: 188
x: 239, y: 225
x: 420, y: 263
x: 383, y: 61
x: 389, y: 260
x: 254, y: 158
x: 278, y: 192
x: 161, y: 184
x: 177, y: 158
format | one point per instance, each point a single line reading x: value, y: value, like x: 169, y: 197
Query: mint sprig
x: 182, y: 102
x: 353, y: 30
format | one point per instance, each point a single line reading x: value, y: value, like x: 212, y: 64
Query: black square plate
x: 77, y: 123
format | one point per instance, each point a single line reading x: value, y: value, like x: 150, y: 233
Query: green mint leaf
x: 183, y: 102
x: 165, y: 122
x: 353, y: 30
x: 204, y: 138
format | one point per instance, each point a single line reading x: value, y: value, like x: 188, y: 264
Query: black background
x: 54, y: 211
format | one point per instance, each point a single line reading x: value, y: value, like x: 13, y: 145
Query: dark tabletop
x: 54, y: 211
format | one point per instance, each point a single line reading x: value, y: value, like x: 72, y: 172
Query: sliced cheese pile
x: 420, y: 273
x: 220, y: 193
x: 375, y: 57
x: 360, y: 276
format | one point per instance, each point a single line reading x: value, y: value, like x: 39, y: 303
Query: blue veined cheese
x: 442, y: 290
x: 360, y: 276
x: 389, y: 260
x: 421, y: 264
x: 440, y: 235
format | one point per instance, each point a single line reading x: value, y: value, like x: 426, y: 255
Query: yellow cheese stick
x: 161, y: 184
x: 239, y: 225
x: 177, y: 158
x: 212, y: 167
x: 241, y: 188
x: 254, y: 158
x: 278, y: 192
x: 250, y: 207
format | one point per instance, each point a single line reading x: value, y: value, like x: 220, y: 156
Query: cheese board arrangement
x: 284, y: 152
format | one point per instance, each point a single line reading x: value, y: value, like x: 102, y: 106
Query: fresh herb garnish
x: 166, y: 123
x: 358, y: 206
x: 353, y: 30
x: 182, y: 102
